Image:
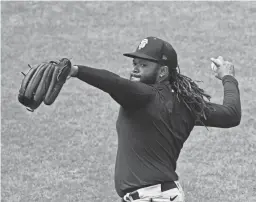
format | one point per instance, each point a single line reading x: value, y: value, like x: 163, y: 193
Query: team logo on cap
x: 143, y: 43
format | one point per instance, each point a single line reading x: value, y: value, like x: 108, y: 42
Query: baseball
x: 213, y: 66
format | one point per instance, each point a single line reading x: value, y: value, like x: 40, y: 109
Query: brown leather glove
x: 43, y: 83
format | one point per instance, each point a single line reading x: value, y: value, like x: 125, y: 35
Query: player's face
x: 144, y: 71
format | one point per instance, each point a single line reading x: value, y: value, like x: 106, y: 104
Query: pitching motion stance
x: 159, y: 107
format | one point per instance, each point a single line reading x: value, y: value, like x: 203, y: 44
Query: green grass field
x: 66, y: 152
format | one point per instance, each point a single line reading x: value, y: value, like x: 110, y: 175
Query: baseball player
x: 159, y: 107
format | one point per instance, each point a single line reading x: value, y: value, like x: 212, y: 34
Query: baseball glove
x: 43, y: 83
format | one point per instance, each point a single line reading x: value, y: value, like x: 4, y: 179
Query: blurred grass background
x: 66, y: 152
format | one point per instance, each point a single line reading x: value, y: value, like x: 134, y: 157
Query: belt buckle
x: 131, y: 196
x: 134, y: 195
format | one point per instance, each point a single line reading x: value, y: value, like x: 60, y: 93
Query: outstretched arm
x: 127, y: 93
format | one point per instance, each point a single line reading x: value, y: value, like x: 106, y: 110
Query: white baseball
x: 213, y: 66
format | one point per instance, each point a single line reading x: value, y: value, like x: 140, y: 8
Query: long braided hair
x: 190, y: 93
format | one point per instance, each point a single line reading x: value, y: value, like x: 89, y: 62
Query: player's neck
x: 162, y: 80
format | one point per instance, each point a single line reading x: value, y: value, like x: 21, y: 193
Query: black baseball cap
x: 155, y: 50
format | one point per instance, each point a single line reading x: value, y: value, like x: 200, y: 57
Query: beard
x: 149, y: 79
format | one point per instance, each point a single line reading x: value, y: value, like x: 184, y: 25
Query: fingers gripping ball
x: 43, y: 83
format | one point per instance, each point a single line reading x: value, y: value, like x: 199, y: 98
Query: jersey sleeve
x: 229, y: 113
x: 125, y: 92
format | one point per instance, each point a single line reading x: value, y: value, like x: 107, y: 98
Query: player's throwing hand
x: 222, y: 67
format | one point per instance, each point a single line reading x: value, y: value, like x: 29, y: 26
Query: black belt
x: 164, y: 187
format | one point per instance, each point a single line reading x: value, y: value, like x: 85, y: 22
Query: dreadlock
x: 188, y: 92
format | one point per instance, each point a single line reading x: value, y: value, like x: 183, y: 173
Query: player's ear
x: 164, y: 71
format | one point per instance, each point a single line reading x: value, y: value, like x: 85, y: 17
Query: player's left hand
x: 43, y: 83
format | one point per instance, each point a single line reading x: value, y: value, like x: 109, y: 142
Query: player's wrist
x: 227, y: 75
x: 74, y: 70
